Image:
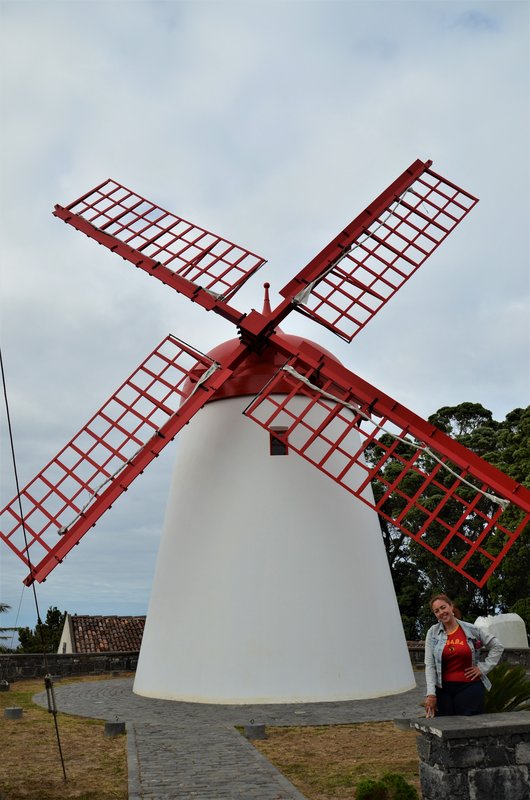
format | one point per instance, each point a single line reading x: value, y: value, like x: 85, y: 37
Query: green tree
x: 46, y: 635
x: 417, y: 573
x: 511, y: 454
x: 3, y: 638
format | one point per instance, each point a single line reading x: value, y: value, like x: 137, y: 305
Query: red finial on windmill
x: 266, y: 301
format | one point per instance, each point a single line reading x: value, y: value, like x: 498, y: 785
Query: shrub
x: 368, y: 789
x: 391, y: 787
x: 510, y: 689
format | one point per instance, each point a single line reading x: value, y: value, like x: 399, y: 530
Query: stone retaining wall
x: 510, y: 655
x: 16, y: 666
x: 20, y: 666
x: 473, y: 758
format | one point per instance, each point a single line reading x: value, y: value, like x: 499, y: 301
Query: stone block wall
x: 511, y: 655
x: 20, y: 666
x: 486, y: 757
x: 17, y: 666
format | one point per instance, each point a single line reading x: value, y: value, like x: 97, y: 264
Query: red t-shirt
x: 456, y: 657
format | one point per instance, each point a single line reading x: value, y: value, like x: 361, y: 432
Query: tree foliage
x: 45, y: 637
x: 417, y: 574
x: 3, y: 631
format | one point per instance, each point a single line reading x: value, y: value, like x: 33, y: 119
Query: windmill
x: 271, y: 582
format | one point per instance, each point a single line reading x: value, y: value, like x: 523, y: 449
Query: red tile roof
x: 106, y: 634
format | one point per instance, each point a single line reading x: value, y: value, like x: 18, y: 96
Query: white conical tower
x: 272, y: 583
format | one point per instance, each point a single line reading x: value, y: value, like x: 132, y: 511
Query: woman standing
x: 456, y: 679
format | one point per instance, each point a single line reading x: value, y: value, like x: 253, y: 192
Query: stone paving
x: 192, y: 751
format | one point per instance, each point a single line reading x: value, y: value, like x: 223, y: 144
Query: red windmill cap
x: 258, y: 368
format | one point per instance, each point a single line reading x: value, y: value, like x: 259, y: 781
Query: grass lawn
x: 327, y: 762
x: 30, y: 765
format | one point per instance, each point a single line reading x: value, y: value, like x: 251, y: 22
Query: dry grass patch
x: 327, y: 762
x: 30, y: 766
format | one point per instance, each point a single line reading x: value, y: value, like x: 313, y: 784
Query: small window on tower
x: 278, y: 447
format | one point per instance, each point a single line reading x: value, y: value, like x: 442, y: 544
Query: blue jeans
x: 463, y: 699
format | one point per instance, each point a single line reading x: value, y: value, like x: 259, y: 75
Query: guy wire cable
x: 47, y: 679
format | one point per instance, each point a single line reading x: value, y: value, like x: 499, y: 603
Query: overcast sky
x: 272, y: 124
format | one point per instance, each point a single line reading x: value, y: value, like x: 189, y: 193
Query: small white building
x: 509, y: 629
x: 113, y: 634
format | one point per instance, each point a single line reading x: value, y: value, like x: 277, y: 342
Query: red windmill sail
x: 460, y: 508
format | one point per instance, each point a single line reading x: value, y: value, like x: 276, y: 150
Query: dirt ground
x: 327, y: 762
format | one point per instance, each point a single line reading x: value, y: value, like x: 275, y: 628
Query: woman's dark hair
x: 446, y: 599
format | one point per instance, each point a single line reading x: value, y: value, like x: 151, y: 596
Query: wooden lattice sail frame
x: 462, y: 509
